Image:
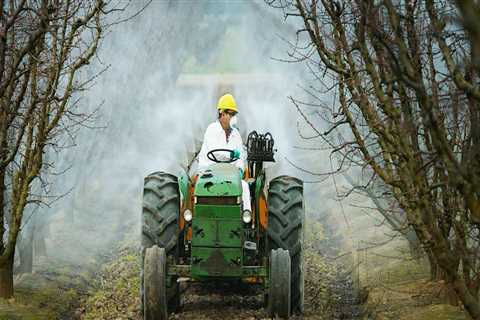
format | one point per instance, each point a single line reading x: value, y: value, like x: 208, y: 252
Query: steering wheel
x: 211, y: 156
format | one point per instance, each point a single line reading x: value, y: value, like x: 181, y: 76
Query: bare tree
x: 43, y: 46
x: 406, y: 78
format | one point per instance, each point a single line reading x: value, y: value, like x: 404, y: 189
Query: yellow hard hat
x: 227, y: 102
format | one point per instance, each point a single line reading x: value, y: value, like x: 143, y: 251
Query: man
x: 222, y: 135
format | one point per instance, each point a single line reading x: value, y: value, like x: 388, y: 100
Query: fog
x: 161, y: 73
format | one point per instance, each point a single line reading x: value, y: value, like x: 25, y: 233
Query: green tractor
x: 195, y: 228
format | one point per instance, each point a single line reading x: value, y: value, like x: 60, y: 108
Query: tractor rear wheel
x: 286, y: 218
x: 154, y: 284
x: 161, y: 209
x: 279, y: 296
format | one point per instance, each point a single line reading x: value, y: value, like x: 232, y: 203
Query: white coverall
x: 215, y: 138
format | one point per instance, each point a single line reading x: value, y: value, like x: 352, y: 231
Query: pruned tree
x: 43, y: 47
x: 406, y: 79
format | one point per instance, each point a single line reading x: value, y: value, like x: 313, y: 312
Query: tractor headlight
x: 247, y: 216
x: 187, y: 215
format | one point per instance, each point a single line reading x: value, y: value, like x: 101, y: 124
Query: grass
x: 46, y: 295
x: 399, y: 288
x: 117, y: 296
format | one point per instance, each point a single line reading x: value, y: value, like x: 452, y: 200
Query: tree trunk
x: 470, y: 302
x: 40, y: 234
x: 434, y: 269
x: 26, y: 257
x: 6, y: 278
x: 414, y: 244
x: 451, y: 297
x: 40, y: 246
x: 25, y: 250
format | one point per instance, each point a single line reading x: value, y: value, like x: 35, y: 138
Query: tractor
x: 194, y: 228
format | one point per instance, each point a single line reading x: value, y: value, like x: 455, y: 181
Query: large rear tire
x: 286, y: 217
x: 161, y: 209
x: 279, y: 295
x: 154, y: 284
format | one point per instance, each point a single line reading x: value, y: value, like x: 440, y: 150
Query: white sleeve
x: 239, y: 145
x: 203, y: 161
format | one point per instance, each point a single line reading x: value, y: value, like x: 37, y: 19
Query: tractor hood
x: 219, y: 179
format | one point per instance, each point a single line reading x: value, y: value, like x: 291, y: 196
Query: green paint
x: 220, y: 179
x: 199, y: 272
x: 255, y: 271
x: 216, y: 262
x: 259, y: 185
x: 183, y: 185
x: 217, y: 233
x: 258, y: 191
x: 217, y: 212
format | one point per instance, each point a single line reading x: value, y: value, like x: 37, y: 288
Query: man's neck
x: 228, y: 132
x: 226, y: 128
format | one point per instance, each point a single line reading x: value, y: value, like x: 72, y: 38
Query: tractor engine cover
x: 219, y: 180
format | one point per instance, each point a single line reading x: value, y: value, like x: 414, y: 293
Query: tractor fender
x: 183, y: 182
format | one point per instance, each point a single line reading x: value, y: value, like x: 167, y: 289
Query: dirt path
x: 239, y: 302
x: 220, y: 301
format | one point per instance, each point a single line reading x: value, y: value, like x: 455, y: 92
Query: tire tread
x: 285, y: 229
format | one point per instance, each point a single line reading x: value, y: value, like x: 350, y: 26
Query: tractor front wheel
x: 161, y: 209
x: 279, y: 295
x: 154, y: 284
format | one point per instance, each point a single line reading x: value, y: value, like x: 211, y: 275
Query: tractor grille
x: 218, y: 200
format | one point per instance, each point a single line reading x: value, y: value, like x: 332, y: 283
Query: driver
x: 222, y: 135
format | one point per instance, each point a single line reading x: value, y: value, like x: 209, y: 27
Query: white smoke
x: 156, y: 98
